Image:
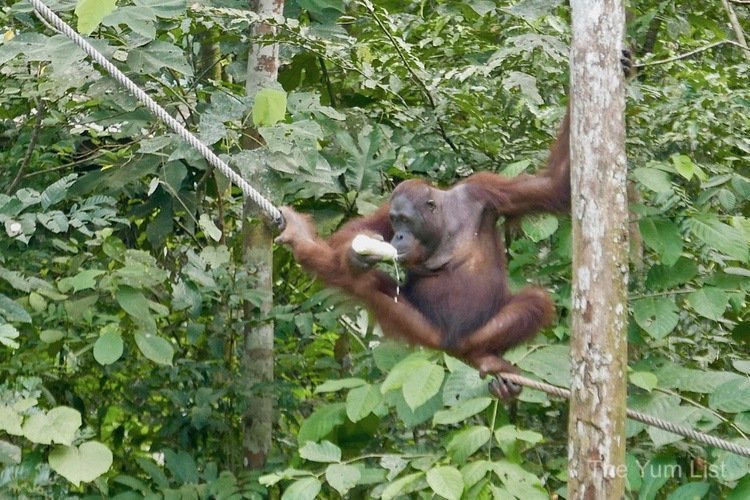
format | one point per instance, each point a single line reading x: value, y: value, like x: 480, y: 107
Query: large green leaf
x: 709, y: 302
x: 519, y: 482
x: 719, y: 236
x: 269, y: 107
x: 81, y: 463
x: 321, y: 422
x: 732, y: 396
x: 8, y: 336
x: 59, y: 425
x: 342, y: 477
x: 664, y: 237
x: 325, y: 452
x: 157, y: 56
x: 461, y: 411
x: 361, y: 401
x: 91, y: 12
x: 155, y: 348
x: 303, y: 489
x: 464, y: 443
x: 657, y: 315
x: 422, y: 385
x: 135, y: 304
x: 12, y: 311
x: 654, y: 179
x: 446, y: 481
x: 108, y: 347
x: 539, y: 227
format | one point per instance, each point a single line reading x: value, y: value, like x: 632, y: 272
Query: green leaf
x: 663, y: 277
x: 644, y: 380
x: 342, y: 477
x: 269, y: 107
x: 446, y: 481
x: 325, y: 452
x: 402, y: 486
x: 166, y: 9
x: 157, y: 56
x: 303, y: 489
x: 519, y: 482
x: 475, y: 471
x: 209, y: 228
x: 423, y: 384
x: 37, y: 302
x: 59, y: 425
x: 690, y: 491
x: 8, y: 334
x: 140, y: 19
x: 719, y: 236
x: 731, y: 397
x: 526, y: 84
x: 91, y: 12
x: 10, y: 454
x: 741, y: 491
x: 539, y: 227
x: 709, y: 302
x: 551, y: 364
x: 684, y: 166
x: 154, y: 348
x: 664, y: 237
x: 654, y: 477
x: 361, y: 401
x: 135, y: 304
x: 657, y: 316
x: 653, y: 179
x: 461, y: 411
x: 337, y: 385
x: 10, y: 421
x: 321, y: 422
x: 55, y: 221
x: 510, y: 433
x: 84, y: 280
x: 467, y: 441
x: 404, y: 370
x: 81, y: 464
x: 108, y: 348
x: 727, y: 199
x: 12, y: 311
x: 57, y: 191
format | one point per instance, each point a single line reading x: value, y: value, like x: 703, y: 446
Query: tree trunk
x: 257, y: 358
x: 596, y: 448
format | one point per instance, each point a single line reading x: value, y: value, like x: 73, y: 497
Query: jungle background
x: 131, y: 275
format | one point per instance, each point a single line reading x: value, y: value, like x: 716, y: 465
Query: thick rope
x: 636, y: 415
x: 266, y: 206
x: 278, y: 219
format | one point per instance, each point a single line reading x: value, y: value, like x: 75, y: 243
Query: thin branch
x: 691, y: 53
x: 29, y: 149
x: 704, y: 408
x: 741, y: 2
x: 423, y: 86
x: 327, y: 80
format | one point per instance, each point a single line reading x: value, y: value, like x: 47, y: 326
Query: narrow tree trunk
x: 600, y: 255
x: 257, y: 358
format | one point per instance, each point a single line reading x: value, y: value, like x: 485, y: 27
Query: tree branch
x: 688, y: 54
x: 736, y: 27
x: 422, y: 85
x: 29, y: 149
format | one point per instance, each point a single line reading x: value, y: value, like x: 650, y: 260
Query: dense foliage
x: 121, y: 277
